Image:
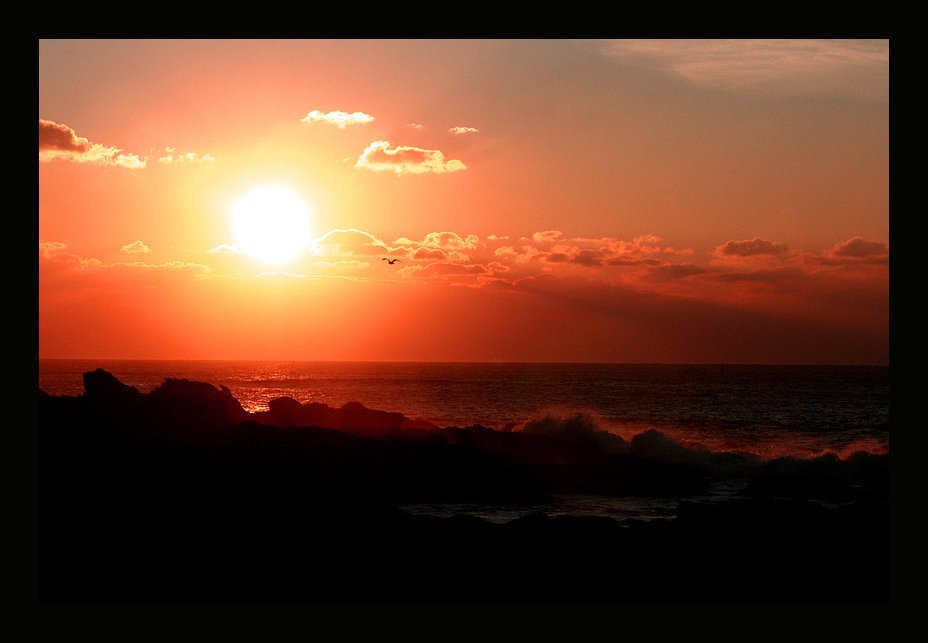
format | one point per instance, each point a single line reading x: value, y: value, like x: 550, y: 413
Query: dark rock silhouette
x: 181, y: 496
x: 285, y: 411
x: 181, y: 401
x: 100, y: 385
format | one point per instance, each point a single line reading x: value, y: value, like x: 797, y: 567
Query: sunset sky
x: 696, y: 201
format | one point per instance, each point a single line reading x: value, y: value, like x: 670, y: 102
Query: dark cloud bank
x: 181, y: 496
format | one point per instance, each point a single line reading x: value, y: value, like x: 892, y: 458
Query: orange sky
x: 616, y: 201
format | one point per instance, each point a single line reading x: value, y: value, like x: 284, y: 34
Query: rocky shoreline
x: 180, y: 496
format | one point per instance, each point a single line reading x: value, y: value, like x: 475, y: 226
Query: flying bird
x: 392, y: 261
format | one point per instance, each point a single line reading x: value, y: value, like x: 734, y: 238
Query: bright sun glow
x: 272, y: 224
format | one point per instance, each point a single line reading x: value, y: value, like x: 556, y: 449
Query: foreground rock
x: 181, y: 496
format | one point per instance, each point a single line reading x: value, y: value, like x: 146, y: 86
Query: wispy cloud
x: 58, y: 142
x: 853, y: 67
x: 173, y: 156
x: 349, y: 242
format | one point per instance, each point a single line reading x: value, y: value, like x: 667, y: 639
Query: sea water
x: 765, y: 411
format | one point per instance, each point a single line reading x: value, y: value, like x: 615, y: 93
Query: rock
x: 808, y: 485
x: 101, y: 386
x: 285, y: 411
x: 185, y: 402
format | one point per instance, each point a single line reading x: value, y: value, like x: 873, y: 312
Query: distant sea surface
x: 768, y: 411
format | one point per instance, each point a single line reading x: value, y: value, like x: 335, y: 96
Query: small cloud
x: 546, y: 236
x: 337, y: 118
x: 860, y: 248
x: 171, y: 156
x: 380, y: 156
x: 450, y: 240
x: 349, y: 242
x: 135, y: 248
x: 855, y: 251
x: 462, y: 130
x: 227, y: 248
x: 47, y: 248
x: 755, y: 246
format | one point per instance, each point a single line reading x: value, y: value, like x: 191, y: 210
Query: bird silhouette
x: 392, y: 261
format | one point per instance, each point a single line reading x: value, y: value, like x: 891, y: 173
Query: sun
x: 272, y: 224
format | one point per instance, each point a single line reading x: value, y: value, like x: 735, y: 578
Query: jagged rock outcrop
x: 175, y: 404
x: 285, y: 411
x: 181, y: 401
x: 102, y: 387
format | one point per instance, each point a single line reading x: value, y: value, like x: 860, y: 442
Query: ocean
x: 717, y: 412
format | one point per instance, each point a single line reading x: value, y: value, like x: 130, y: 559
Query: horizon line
x: 481, y: 362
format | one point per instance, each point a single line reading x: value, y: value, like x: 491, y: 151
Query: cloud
x: 135, y: 248
x: 860, y: 248
x: 755, y: 246
x: 446, y: 270
x: 379, y: 156
x: 427, y: 254
x: 858, y: 68
x: 47, y: 248
x: 450, y: 240
x: 349, y: 242
x: 337, y: 118
x: 856, y: 250
x: 546, y: 236
x: 605, y: 251
x: 522, y: 255
x: 171, y: 156
x: 588, y: 257
x: 462, y: 130
x: 440, y: 246
x: 57, y: 262
x: 227, y: 248
x: 57, y: 141
x: 54, y: 137
x: 55, y: 256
